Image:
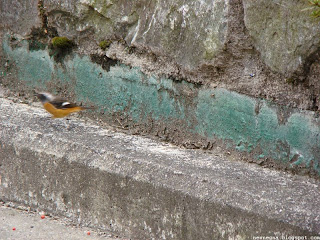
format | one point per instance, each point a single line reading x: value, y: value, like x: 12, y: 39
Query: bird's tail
x: 87, y: 108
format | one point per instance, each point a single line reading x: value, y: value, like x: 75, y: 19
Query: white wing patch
x: 65, y: 103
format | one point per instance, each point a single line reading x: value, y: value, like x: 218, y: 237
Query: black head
x: 44, y: 97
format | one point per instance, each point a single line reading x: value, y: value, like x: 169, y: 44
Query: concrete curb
x: 143, y: 188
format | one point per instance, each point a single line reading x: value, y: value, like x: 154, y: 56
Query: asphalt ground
x: 21, y: 223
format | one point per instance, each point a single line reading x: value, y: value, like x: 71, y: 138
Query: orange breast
x: 60, y: 113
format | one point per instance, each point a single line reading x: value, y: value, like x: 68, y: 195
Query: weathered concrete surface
x: 142, y: 188
x: 29, y: 225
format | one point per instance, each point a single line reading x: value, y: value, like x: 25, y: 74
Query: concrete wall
x: 200, y: 74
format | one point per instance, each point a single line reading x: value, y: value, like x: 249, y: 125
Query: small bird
x: 57, y: 106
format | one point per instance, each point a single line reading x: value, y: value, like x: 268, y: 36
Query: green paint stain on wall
x: 227, y: 115
x: 34, y: 67
x: 217, y: 113
x: 124, y: 89
x: 231, y: 116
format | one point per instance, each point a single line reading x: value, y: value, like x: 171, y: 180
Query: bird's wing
x: 62, y: 103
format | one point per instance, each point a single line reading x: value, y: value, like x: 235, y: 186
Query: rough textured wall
x: 260, y: 48
x: 284, y: 34
x: 191, y: 72
x: 19, y: 16
x: 171, y: 28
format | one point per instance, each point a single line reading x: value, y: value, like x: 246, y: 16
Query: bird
x: 57, y: 106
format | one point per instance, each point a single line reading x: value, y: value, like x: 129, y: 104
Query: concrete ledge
x: 143, y: 188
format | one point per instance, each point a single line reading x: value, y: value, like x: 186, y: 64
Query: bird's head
x: 45, y: 97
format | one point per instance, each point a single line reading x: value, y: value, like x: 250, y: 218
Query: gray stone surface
x: 142, y: 188
x: 283, y: 31
x: 19, y: 16
x: 170, y: 28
